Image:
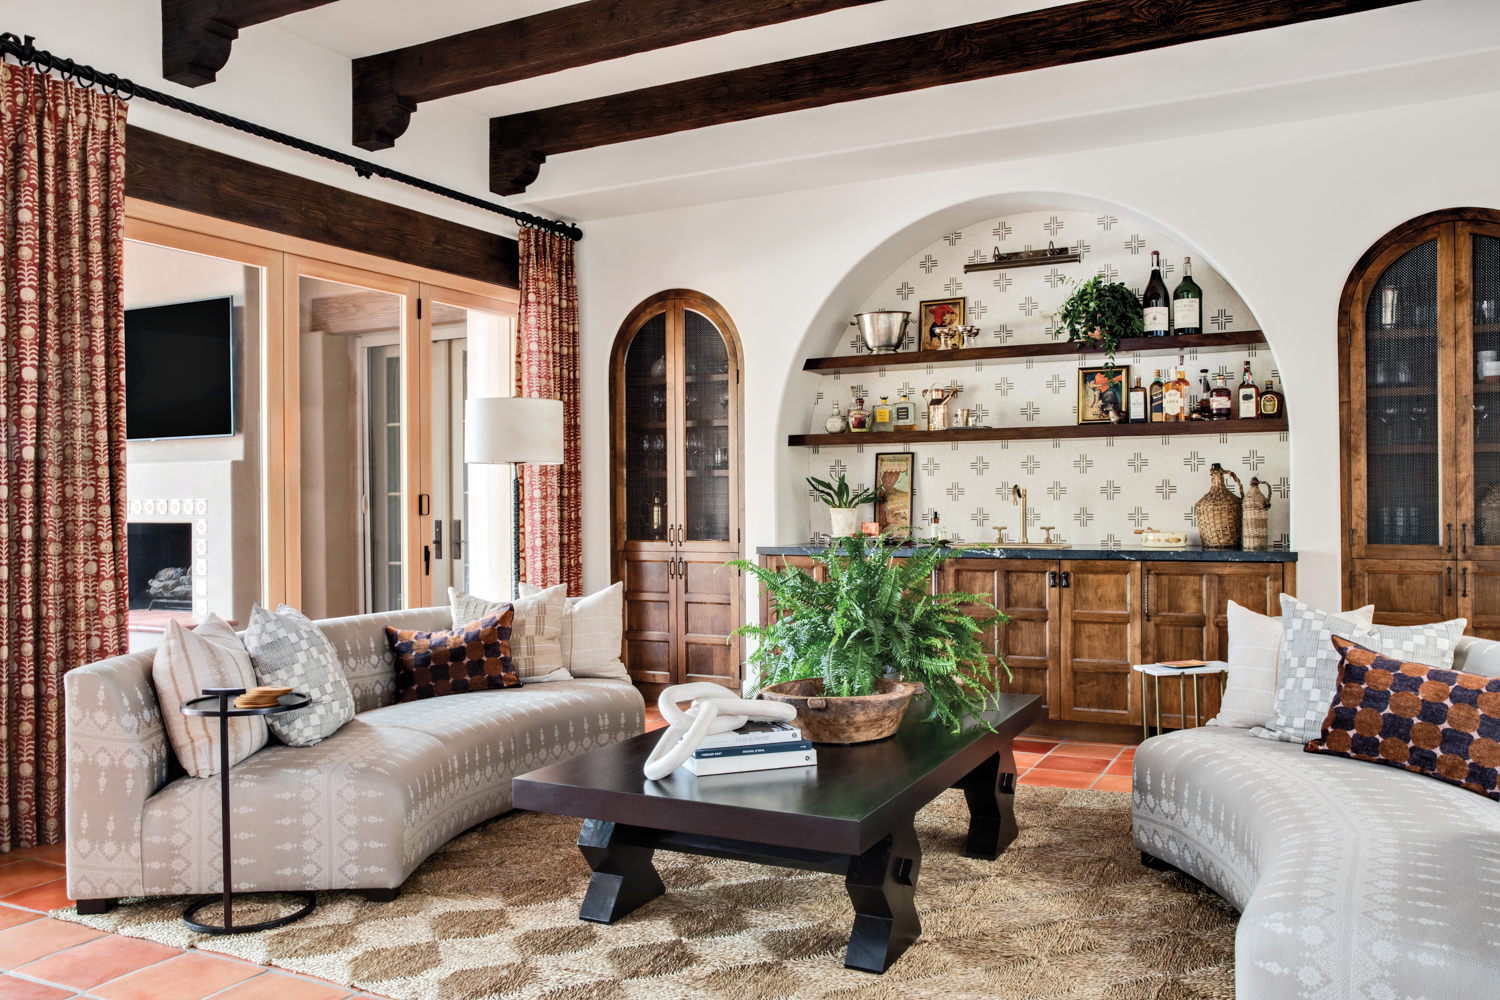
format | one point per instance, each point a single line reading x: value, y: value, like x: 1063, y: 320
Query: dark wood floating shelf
x: 1020, y: 352
x: 1042, y: 432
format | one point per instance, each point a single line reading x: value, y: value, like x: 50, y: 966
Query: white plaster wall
x: 1282, y: 212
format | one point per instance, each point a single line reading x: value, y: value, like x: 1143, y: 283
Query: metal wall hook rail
x: 25, y: 53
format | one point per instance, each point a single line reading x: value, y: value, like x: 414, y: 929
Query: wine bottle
x: 1157, y: 397
x: 1187, y: 303
x: 1249, y: 396
x: 1156, y: 303
x: 1140, y: 406
x: 1222, y: 403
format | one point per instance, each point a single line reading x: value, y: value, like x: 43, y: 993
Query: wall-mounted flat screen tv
x: 179, y: 370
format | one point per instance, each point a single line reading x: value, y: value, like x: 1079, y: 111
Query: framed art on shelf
x: 896, y: 485
x: 1102, y: 393
x: 937, y: 314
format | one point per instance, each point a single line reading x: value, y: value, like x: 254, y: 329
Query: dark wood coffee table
x: 852, y: 815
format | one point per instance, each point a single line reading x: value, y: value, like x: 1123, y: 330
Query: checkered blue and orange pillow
x: 1437, y: 722
x: 475, y: 657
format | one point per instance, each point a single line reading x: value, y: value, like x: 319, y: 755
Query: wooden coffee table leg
x: 882, y: 886
x: 624, y: 877
x: 990, y: 790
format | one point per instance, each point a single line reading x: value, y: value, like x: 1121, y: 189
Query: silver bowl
x: 883, y: 331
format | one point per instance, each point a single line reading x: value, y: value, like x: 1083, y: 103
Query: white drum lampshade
x: 513, y: 429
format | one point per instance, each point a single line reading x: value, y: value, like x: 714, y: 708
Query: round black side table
x: 215, y: 703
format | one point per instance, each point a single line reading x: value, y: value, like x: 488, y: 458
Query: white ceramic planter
x: 845, y: 521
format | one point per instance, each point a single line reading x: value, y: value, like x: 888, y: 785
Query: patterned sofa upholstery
x: 1353, y: 880
x: 360, y: 810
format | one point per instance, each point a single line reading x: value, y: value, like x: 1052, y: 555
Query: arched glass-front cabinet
x: 1420, y: 345
x: 676, y: 489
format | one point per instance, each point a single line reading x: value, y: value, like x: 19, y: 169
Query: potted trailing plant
x: 1101, y: 314
x: 843, y: 503
x: 834, y: 641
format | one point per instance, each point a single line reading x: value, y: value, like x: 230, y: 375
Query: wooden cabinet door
x: 1405, y: 591
x: 1479, y: 598
x: 1101, y: 639
x: 804, y: 563
x: 649, y: 572
x: 708, y: 606
x: 1186, y: 611
x: 1477, y: 321
x: 1027, y: 591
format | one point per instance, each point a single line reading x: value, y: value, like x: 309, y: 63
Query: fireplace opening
x: 159, y: 561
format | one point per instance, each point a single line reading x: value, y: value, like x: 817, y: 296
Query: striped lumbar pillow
x: 210, y: 656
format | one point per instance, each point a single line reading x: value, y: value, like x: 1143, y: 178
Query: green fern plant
x: 875, y: 611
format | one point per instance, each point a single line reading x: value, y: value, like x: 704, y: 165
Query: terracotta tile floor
x: 46, y: 959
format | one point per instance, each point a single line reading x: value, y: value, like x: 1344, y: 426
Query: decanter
x: 836, y: 424
x: 859, y: 417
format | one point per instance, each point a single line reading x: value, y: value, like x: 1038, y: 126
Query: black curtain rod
x: 27, y: 54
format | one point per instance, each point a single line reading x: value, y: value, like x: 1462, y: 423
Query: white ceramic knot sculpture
x: 714, y: 710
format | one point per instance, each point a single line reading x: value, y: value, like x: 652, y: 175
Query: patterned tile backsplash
x: 1097, y: 491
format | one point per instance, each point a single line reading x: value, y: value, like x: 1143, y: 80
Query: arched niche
x: 1095, y: 490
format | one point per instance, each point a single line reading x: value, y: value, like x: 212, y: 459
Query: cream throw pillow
x: 593, y: 633
x: 187, y: 661
x: 535, y: 631
x: 1254, y: 656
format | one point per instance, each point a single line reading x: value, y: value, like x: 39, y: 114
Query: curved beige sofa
x: 1353, y: 880
x: 360, y: 810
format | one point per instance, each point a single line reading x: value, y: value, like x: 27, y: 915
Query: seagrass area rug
x: 1068, y: 911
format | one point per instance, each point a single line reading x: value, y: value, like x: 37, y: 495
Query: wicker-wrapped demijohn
x: 1220, y: 512
x: 1257, y: 537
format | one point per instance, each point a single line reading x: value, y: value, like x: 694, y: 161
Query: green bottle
x: 1187, y: 303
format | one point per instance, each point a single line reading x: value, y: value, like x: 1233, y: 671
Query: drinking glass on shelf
x: 1380, y: 375
x: 691, y: 398
x: 721, y: 448
x: 1388, y: 420
x: 694, y: 448
x: 1486, y: 311
x: 1421, y: 414
x: 659, y: 449
x: 659, y: 404
x: 646, y: 460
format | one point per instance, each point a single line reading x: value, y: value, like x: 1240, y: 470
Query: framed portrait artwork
x: 1102, y: 391
x: 893, y: 476
x: 937, y: 313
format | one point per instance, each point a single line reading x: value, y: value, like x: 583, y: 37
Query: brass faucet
x: 1018, y: 496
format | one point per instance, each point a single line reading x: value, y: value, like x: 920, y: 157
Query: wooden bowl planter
x: 855, y: 719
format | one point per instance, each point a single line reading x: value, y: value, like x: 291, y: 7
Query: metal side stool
x: 1158, y: 671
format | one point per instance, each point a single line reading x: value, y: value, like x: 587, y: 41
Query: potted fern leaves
x: 849, y: 652
x: 843, y: 503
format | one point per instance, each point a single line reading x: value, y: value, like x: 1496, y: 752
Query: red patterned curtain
x: 62, y: 455
x: 547, y: 367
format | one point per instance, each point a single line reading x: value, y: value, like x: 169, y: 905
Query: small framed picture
x: 935, y: 314
x: 894, y: 478
x: 1102, y: 392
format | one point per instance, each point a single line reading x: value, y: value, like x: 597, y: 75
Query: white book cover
x: 754, y: 732
x: 755, y: 762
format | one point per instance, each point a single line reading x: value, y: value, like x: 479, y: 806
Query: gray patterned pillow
x: 1309, y: 668
x: 288, y: 650
x: 1431, y: 645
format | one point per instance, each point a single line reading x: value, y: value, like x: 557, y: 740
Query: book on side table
x: 755, y: 746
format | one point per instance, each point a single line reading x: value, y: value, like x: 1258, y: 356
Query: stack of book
x: 755, y: 746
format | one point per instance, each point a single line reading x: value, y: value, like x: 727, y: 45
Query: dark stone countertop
x: 1125, y: 553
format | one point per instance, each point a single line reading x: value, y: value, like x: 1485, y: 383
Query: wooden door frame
x: 1351, y: 327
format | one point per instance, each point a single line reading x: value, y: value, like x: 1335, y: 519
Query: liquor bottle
x: 836, y: 424
x: 1155, y: 302
x: 1205, y: 395
x: 883, y: 416
x: 1249, y: 396
x: 1174, y: 397
x: 939, y: 532
x: 1185, y: 387
x: 1222, y: 407
x: 1140, y: 404
x: 905, y: 414
x: 1187, y: 303
x: 1272, y: 404
x: 1157, y: 397
x: 859, y: 417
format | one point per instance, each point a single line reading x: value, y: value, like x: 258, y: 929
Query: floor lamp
x: 514, y: 431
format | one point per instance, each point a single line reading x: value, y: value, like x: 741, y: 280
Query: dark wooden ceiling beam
x: 196, y: 34
x: 389, y: 86
x: 1052, y: 36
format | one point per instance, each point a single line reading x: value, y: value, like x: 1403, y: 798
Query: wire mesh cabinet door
x: 677, y: 508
